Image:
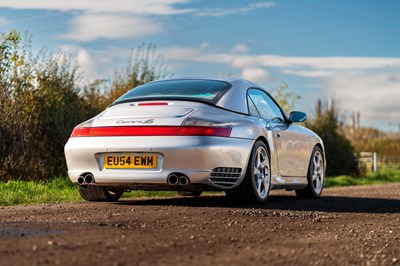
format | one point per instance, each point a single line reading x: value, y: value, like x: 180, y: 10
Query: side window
x: 266, y: 107
x: 252, y: 108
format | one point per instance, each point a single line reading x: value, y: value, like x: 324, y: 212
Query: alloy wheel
x: 262, y: 172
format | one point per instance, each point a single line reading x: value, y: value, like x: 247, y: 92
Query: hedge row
x: 42, y: 98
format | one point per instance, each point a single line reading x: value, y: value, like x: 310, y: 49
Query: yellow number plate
x: 130, y: 161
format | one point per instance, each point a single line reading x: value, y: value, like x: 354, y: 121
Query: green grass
x: 27, y: 192
x: 57, y: 190
x: 379, y: 177
x: 62, y: 190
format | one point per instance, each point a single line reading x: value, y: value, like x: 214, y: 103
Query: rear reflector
x: 152, y: 131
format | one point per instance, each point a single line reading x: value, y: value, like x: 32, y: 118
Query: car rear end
x: 159, y: 144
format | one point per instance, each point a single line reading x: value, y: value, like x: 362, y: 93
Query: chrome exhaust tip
x: 172, y: 179
x: 183, y: 180
x: 81, y: 180
x: 85, y: 178
x: 89, y: 178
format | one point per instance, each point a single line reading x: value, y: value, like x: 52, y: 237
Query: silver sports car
x: 194, y: 135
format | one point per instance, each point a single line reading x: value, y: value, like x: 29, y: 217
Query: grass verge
x: 379, y: 177
x: 16, y: 192
x: 62, y: 190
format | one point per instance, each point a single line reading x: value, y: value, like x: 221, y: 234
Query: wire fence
x: 388, y: 162
x: 372, y: 162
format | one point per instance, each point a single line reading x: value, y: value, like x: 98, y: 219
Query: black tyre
x: 315, y: 176
x: 256, y: 184
x: 194, y: 193
x: 100, y: 193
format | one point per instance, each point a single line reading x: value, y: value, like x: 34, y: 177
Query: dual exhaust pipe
x: 178, y: 179
x: 85, y: 179
x: 173, y: 179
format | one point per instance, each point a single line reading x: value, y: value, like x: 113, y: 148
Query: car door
x: 289, y: 141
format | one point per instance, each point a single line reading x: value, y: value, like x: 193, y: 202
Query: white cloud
x: 3, y: 21
x: 239, y: 48
x: 143, y: 7
x: 311, y: 63
x: 120, y: 19
x: 183, y: 54
x: 310, y: 73
x: 93, y: 64
x: 219, y: 12
x: 117, y: 19
x: 300, y: 66
x: 138, y: 7
x: 91, y: 26
x: 370, y: 85
x: 375, y: 94
x: 256, y: 74
x: 204, y: 45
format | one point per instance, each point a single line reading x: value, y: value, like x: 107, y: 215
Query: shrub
x: 338, y: 150
x: 40, y: 104
x: 42, y: 98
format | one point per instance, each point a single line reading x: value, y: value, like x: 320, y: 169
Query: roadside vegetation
x: 42, y: 98
x: 17, y: 192
x: 380, y: 177
x: 61, y: 189
x: 58, y: 189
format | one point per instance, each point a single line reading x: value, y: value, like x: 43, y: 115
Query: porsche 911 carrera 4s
x: 195, y: 135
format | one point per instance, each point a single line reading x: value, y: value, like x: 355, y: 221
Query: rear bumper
x: 195, y: 157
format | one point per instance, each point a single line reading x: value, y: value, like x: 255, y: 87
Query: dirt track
x: 348, y: 226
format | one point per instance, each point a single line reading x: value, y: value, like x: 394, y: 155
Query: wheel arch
x: 319, y: 145
x: 265, y: 141
x: 271, y: 154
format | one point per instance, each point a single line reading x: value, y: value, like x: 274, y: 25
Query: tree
x: 16, y: 71
x: 40, y: 104
x: 285, y: 97
x: 42, y: 98
x: 338, y: 150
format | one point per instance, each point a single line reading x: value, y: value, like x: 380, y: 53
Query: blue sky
x: 349, y: 50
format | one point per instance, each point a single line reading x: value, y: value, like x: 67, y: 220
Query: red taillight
x: 151, y: 131
x: 191, y: 127
x: 205, y: 131
x: 81, y: 132
x: 134, y: 131
x: 152, y: 104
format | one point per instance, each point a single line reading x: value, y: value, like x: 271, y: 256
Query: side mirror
x: 297, y: 117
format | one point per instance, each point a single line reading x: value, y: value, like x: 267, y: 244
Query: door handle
x: 277, y: 134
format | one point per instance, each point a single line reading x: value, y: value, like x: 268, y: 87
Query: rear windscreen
x: 183, y: 89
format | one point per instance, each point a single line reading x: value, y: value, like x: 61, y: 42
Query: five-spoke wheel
x: 261, y: 172
x: 315, y: 177
x: 256, y: 184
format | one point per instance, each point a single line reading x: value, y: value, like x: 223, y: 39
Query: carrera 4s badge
x: 135, y: 122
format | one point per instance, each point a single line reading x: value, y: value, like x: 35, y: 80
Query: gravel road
x: 347, y: 226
